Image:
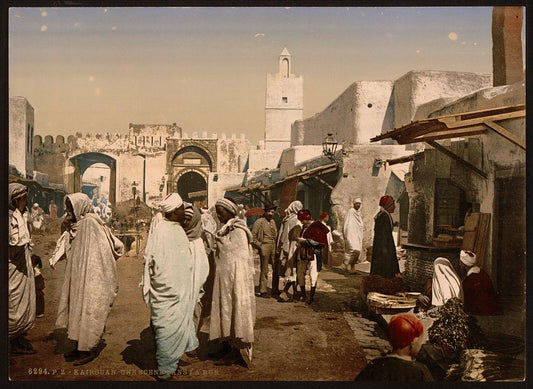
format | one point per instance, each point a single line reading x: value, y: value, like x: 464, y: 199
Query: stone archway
x: 82, y: 162
x: 190, y: 166
x: 192, y: 187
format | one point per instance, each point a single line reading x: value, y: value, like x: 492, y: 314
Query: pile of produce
x: 377, y: 283
x: 455, y: 330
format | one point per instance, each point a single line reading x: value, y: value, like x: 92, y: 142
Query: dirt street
x: 293, y: 341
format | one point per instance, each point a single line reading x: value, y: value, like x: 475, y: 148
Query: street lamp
x: 329, y: 146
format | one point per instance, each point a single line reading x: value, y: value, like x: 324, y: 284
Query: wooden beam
x: 473, y: 122
x: 323, y: 182
x: 407, y: 158
x: 306, y: 184
x: 200, y: 193
x: 408, y: 137
x: 455, y: 157
x: 506, y: 134
x: 459, y: 133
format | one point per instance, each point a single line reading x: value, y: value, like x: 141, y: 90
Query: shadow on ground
x: 141, y: 352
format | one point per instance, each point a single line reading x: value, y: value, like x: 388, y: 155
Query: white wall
x: 419, y: 87
x: 263, y: 159
x: 296, y: 155
x: 280, y: 115
x: 358, y: 181
x: 357, y: 115
x: 21, y: 114
x: 218, y: 183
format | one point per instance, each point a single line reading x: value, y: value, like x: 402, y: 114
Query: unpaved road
x: 293, y: 341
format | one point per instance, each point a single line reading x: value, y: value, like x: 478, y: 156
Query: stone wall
x: 357, y: 115
x: 155, y: 144
x: 419, y: 87
x: 507, y: 59
x: 367, y: 108
x: 263, y: 159
x: 292, y: 159
x: 283, y: 105
x: 21, y: 123
x: 358, y: 181
x: 420, y: 184
x: 49, y: 157
x: 230, y: 150
x: 152, y: 137
x: 489, y: 152
x: 218, y: 183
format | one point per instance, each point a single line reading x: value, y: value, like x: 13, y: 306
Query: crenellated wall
x: 144, y: 156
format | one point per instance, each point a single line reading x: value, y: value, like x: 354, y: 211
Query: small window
x: 284, y: 99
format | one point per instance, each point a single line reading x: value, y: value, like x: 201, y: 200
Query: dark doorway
x: 192, y: 188
x: 509, y: 256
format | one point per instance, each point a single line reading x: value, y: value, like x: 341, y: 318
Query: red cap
x: 383, y: 200
x: 323, y: 215
x: 403, y: 329
x: 304, y: 214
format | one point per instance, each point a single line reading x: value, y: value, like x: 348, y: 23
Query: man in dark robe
x: 479, y: 295
x: 384, y: 260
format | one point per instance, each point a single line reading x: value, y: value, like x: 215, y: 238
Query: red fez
x: 323, y: 215
x: 383, y: 200
x: 304, y: 214
x: 403, y: 329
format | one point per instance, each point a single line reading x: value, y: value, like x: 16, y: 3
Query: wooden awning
x: 457, y: 126
x: 303, y: 175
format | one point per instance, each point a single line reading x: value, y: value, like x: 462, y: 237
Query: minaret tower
x: 284, y: 104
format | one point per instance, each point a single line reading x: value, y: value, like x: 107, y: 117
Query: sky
x: 95, y: 70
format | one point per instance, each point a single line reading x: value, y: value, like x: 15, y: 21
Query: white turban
x: 228, y: 205
x: 357, y: 200
x: 468, y: 258
x: 171, y: 202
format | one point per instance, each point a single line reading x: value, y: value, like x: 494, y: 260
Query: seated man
x: 444, y: 285
x: 405, y: 333
x: 479, y: 294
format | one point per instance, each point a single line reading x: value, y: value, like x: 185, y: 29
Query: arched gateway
x: 82, y: 162
x: 190, y: 167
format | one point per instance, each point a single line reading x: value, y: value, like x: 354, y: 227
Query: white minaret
x: 284, y: 104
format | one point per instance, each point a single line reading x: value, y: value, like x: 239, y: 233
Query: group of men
x: 194, y: 271
x: 196, y: 268
x: 475, y: 290
x: 295, y: 250
x: 302, y: 246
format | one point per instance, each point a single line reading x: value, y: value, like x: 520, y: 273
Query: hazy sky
x: 98, y: 69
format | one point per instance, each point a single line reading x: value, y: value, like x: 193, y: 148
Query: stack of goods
x: 378, y: 301
x: 377, y: 283
x: 482, y: 365
x: 454, y: 330
x: 450, y: 238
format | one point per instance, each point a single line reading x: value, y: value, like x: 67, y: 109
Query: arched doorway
x: 190, y: 166
x: 192, y: 187
x: 82, y: 162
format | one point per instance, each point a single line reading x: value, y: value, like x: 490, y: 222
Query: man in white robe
x: 21, y: 277
x: 353, y: 236
x: 90, y: 284
x: 168, y: 287
x: 37, y: 218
